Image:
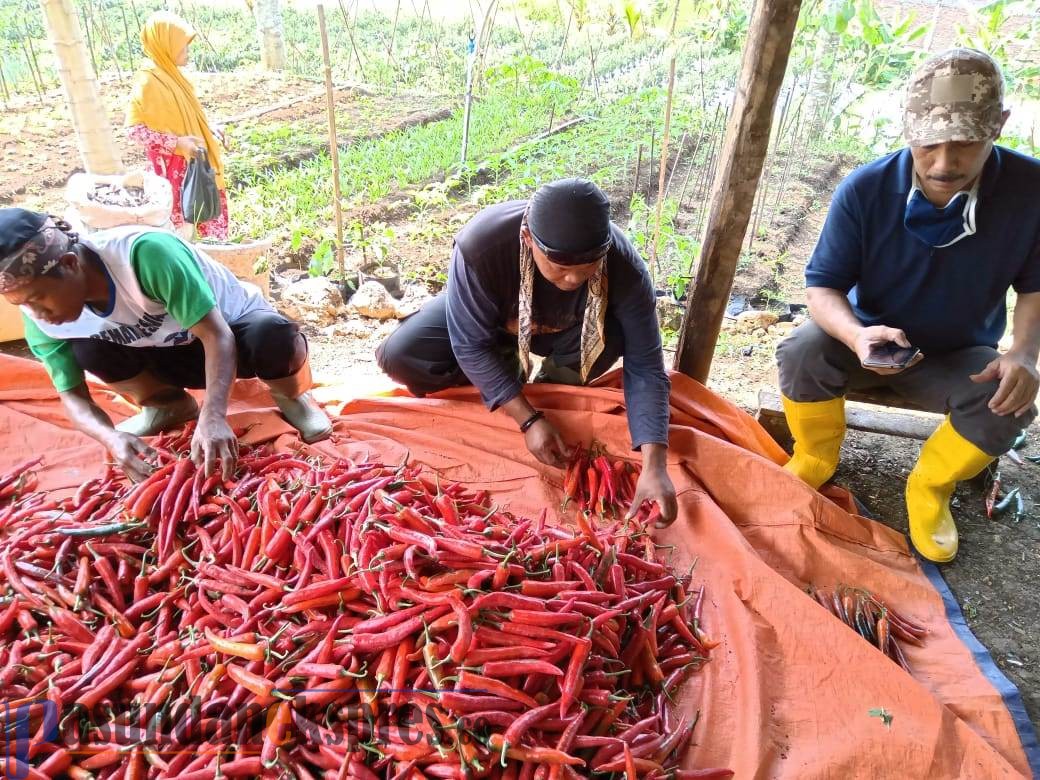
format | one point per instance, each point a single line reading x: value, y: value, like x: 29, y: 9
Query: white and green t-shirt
x: 159, y: 287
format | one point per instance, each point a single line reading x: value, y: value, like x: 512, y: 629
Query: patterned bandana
x: 593, y: 323
x: 36, y: 257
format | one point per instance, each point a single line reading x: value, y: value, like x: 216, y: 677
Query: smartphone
x: 891, y: 355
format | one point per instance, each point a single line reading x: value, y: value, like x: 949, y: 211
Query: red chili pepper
x: 535, y: 755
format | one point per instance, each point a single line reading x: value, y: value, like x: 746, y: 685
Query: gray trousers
x: 817, y: 367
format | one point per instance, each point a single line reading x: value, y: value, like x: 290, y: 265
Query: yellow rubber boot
x: 946, y: 459
x: 818, y: 428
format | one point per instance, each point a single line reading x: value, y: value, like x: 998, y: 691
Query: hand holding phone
x: 890, y: 355
x: 885, y: 350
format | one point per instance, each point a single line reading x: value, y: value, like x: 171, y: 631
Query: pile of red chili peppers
x: 597, y: 485
x: 872, y: 619
x: 330, y: 620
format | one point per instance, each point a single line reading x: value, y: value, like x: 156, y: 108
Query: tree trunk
x: 766, y: 52
x: 96, y: 144
x: 269, y: 30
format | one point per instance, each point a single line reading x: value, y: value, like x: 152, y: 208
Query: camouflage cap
x: 957, y: 95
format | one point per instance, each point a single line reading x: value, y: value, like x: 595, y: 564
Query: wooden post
x: 766, y: 52
x: 330, y: 98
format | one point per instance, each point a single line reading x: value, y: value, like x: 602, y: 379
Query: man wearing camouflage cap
x: 918, y: 251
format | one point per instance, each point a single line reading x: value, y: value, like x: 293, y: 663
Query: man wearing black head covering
x: 553, y: 276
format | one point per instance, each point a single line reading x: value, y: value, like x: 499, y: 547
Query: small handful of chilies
x: 872, y: 619
x: 598, y: 485
x: 329, y: 619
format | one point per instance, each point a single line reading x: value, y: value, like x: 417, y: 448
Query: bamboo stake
x: 592, y: 69
x: 484, y: 42
x: 3, y: 85
x: 194, y: 19
x: 474, y: 55
x: 650, y: 164
x: 563, y: 46
x: 520, y: 29
x: 353, y: 43
x: 763, y: 190
x: 34, y: 63
x: 436, y: 45
x: 935, y: 23
x: 675, y: 165
x: 90, y: 38
x: 333, y: 142
x: 109, y: 41
x: 700, y: 73
x: 393, y: 35
x: 708, y: 173
x: 663, y: 165
x: 32, y: 71
x: 783, y: 187
x: 126, y: 36
x: 471, y: 58
x: 639, y: 164
x: 137, y: 16
x: 689, y: 168
x: 686, y: 178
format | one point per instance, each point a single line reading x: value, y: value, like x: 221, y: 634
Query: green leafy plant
x: 323, y: 261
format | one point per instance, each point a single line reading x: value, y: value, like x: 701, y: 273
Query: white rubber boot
x: 152, y: 420
x: 299, y: 407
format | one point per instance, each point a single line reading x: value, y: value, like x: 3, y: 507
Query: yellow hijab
x: 163, y: 99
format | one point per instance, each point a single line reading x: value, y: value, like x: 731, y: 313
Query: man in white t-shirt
x: 150, y: 316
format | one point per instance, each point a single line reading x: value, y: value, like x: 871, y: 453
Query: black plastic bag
x: 200, y: 198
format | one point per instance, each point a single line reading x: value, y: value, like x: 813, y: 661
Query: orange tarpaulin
x: 790, y: 690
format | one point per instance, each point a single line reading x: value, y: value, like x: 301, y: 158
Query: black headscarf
x: 569, y: 219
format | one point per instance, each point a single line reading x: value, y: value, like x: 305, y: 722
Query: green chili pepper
x: 99, y: 530
x: 1020, y: 506
x: 1005, y: 503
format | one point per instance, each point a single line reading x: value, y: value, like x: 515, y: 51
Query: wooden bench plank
x: 908, y: 424
x: 883, y: 397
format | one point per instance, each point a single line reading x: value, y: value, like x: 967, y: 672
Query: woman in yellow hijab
x: 165, y: 117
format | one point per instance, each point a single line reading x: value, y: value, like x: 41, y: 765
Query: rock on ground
x: 373, y: 300
x: 669, y: 313
x: 751, y: 320
x: 314, y: 300
x: 414, y: 298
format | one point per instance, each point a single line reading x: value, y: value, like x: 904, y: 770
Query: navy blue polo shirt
x: 944, y: 299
